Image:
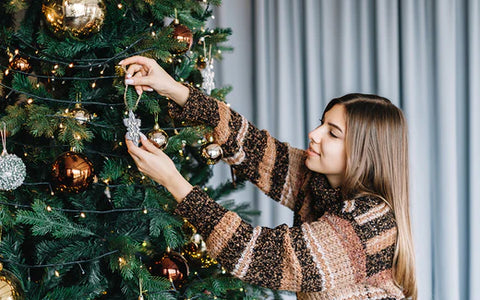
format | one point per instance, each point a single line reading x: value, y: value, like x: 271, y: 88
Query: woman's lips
x: 312, y: 153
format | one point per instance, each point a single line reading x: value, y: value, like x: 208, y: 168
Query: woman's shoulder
x: 367, y: 209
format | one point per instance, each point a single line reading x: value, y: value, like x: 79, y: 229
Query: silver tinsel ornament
x: 208, y: 77
x: 12, y: 168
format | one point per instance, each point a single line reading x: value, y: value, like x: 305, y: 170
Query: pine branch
x: 53, y: 222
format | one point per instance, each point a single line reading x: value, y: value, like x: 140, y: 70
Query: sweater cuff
x: 199, y: 108
x: 201, y: 211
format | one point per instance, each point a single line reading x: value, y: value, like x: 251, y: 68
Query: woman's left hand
x: 154, y: 163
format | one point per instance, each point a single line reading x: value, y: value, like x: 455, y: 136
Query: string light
x: 49, y: 208
x: 82, y: 215
x: 57, y: 273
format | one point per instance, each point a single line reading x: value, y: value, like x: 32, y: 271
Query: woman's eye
x: 332, y: 134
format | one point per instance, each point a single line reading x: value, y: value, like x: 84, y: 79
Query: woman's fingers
x: 141, y: 60
x: 148, y: 146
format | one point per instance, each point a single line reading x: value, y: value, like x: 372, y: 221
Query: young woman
x: 351, y: 237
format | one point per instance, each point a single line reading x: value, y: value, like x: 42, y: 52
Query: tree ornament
x: 211, y: 153
x: 207, y: 73
x: 20, y: 64
x: 72, y: 172
x: 80, y: 114
x: 171, y: 265
x: 184, y: 35
x: 196, y: 247
x: 79, y: 18
x: 158, y: 137
x: 133, y: 124
x: 12, y: 168
x: 10, y: 287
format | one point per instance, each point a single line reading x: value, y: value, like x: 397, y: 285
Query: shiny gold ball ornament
x: 20, y: 64
x: 183, y: 35
x: 211, y: 153
x: 158, y: 137
x: 196, y: 247
x: 79, y: 18
x: 80, y: 114
x: 10, y: 287
x: 72, y: 172
x: 171, y: 265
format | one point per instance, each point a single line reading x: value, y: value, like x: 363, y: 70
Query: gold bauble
x: 196, y: 247
x: 72, y: 172
x: 184, y: 35
x: 80, y: 114
x: 20, y: 64
x: 79, y: 18
x: 211, y: 153
x: 10, y: 287
x: 158, y: 137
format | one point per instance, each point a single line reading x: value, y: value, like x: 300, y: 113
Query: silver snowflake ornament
x: 133, y: 127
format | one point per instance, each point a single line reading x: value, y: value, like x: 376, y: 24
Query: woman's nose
x: 315, y: 135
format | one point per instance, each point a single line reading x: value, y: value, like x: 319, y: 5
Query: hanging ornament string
x: 133, y: 124
x: 3, y: 133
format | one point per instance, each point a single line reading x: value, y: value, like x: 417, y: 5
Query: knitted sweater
x: 337, y: 249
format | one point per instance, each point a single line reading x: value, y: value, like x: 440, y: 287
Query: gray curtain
x: 292, y: 56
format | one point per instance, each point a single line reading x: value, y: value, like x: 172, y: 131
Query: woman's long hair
x: 377, y: 164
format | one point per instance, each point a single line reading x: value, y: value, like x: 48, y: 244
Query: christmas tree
x: 78, y: 221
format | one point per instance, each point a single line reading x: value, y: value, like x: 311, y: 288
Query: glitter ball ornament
x: 158, y: 137
x: 10, y: 287
x: 171, y: 265
x: 185, y: 36
x: 12, y: 168
x: 211, y: 153
x: 79, y: 18
x: 72, y: 172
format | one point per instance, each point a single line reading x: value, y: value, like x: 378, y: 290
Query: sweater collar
x: 324, y: 196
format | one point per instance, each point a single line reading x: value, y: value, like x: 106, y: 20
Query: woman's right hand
x: 146, y: 75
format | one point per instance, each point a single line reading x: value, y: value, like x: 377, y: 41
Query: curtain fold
x: 424, y: 55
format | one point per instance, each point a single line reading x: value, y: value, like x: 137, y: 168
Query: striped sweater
x: 337, y: 249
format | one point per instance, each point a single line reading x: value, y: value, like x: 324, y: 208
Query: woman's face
x: 326, y: 152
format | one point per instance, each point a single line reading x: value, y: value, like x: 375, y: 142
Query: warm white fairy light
x: 82, y: 215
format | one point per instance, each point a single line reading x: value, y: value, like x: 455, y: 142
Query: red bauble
x: 72, y: 172
x: 185, y: 36
x: 171, y: 265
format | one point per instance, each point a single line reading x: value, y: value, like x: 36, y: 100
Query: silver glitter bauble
x: 12, y: 171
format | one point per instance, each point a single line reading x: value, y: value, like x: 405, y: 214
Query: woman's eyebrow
x: 336, y: 126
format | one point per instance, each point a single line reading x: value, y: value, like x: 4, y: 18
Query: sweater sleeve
x: 355, y: 246
x: 276, y: 168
